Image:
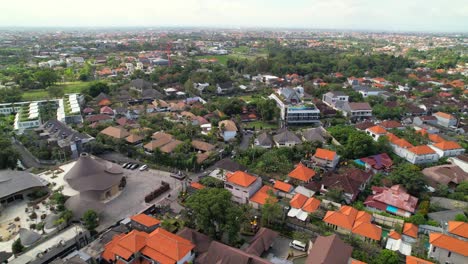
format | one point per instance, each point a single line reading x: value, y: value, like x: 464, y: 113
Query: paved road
x: 245, y: 141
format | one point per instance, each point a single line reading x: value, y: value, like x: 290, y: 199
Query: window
x: 434, y: 249
x: 449, y: 254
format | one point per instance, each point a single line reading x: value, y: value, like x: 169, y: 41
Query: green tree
x: 386, y: 257
x: 215, y: 213
x: 10, y: 95
x: 8, y: 155
x: 271, y: 211
x: 17, y: 246
x: 55, y: 91
x: 358, y: 145
x: 410, y: 177
x: 417, y: 219
x: 461, y: 218
x: 90, y: 220
x: 46, y: 77
x: 96, y: 88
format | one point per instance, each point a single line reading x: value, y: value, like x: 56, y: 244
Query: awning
x: 293, y: 212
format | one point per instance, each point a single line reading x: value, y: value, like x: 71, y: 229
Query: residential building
x: 242, y: 185
x: 445, y: 120
x: 393, y: 200
x: 348, y: 220
x: 377, y: 163
x: 425, y: 120
x: 448, y: 249
x: 415, y: 260
x: 224, y: 88
x: 293, y: 110
x: 283, y: 187
x: 221, y: 253
x: 329, y: 250
x: 447, y: 149
x: 410, y: 232
x: 326, y: 158
x: 421, y: 154
x: 302, y: 206
x: 262, y: 196
x: 144, y: 222
x: 227, y: 129
x: 159, y: 246
x: 263, y: 141
x: 286, y: 138
x: 396, y: 243
x: 391, y: 124
x: 317, y: 134
x: 357, y: 111
x: 376, y: 132
x: 335, y: 99
x: 302, y: 173
x: 350, y: 181
x: 66, y: 138
x: 115, y: 132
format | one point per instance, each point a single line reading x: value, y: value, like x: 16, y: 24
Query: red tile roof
x: 422, y: 150
x: 325, y: 154
x: 197, y: 185
x: 458, y: 228
x: 241, y: 178
x: 389, y: 124
x: 415, y: 260
x: 145, y: 220
x: 282, y: 186
x: 378, y: 130
x: 358, y: 222
x: 411, y: 230
x: 447, y: 145
x: 436, y: 138
x: 311, y: 205
x: 449, y: 243
x: 395, y: 235
x: 302, y: 173
x: 262, y: 195
x: 395, y: 196
x: 444, y: 115
x: 298, y: 200
x: 367, y: 229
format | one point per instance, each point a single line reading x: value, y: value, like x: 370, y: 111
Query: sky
x: 378, y: 15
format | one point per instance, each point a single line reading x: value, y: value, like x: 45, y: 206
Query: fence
x: 387, y: 221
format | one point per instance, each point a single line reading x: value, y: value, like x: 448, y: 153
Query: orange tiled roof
x: 298, y: 200
x: 241, y: 178
x: 355, y: 261
x: 444, y: 115
x: 282, y: 186
x: 422, y: 150
x: 301, y: 172
x: 343, y: 218
x: 145, y: 220
x: 458, y: 228
x: 450, y: 243
x: 311, y: 205
x: 378, y: 130
x: 262, y: 195
x: 436, y: 138
x: 447, y: 145
x: 395, y: 235
x: 410, y: 229
x: 367, y: 229
x: 197, y: 185
x: 325, y: 154
x: 415, y: 260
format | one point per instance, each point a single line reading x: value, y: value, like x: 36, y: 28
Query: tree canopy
x: 410, y: 177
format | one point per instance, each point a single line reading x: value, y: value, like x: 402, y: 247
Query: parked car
x: 135, y: 166
x: 124, y: 165
x: 296, y: 244
x: 144, y: 167
x: 128, y: 165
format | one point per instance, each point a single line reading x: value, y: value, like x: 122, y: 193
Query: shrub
x: 17, y: 219
x: 33, y: 215
x: 32, y: 226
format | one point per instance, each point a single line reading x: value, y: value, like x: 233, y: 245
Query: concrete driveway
x: 131, y: 200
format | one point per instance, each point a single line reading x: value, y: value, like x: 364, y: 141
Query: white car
x: 144, y: 167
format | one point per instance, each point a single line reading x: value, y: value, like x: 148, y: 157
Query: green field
x: 261, y: 124
x: 68, y: 87
x: 238, y: 53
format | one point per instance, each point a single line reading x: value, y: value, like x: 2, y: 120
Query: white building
x: 242, y: 186
x: 292, y: 109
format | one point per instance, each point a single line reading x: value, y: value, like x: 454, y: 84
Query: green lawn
x: 222, y: 59
x: 68, y: 87
x: 261, y: 124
